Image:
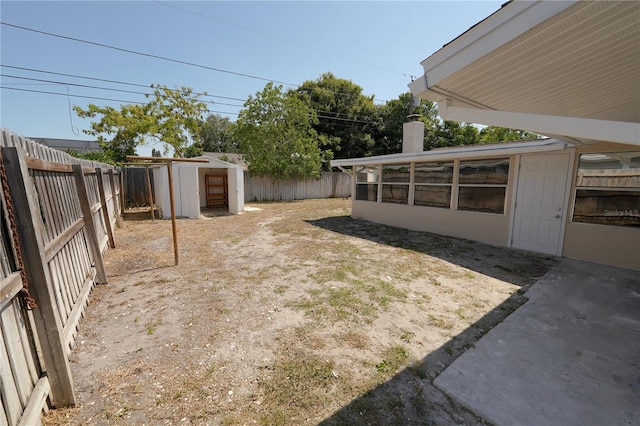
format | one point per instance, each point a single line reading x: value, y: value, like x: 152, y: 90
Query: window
x: 433, y: 184
x: 482, y: 185
x: 367, y: 184
x: 395, y: 183
x: 608, y: 189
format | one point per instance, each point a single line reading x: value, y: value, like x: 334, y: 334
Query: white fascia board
x: 511, y: 21
x: 572, y: 127
x: 466, y: 152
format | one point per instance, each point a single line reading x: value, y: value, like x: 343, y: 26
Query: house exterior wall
x: 483, y: 227
x: 488, y: 228
x: 610, y: 245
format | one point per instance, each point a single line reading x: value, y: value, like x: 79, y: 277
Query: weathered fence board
x: 55, y: 229
x: 136, y: 191
x: 330, y: 185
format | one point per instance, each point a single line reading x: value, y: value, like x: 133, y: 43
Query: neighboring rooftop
x: 72, y: 144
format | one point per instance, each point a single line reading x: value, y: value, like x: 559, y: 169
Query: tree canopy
x: 171, y: 117
x: 347, y: 119
x: 216, y: 134
x: 275, y: 135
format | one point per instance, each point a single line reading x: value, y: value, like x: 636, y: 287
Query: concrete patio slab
x: 569, y: 356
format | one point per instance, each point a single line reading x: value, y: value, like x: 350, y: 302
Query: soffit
x: 583, y: 62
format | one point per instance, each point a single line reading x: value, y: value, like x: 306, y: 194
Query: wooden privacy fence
x: 58, y: 218
x: 330, y: 185
x: 136, y: 189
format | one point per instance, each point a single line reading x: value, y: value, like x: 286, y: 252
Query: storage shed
x: 215, y: 184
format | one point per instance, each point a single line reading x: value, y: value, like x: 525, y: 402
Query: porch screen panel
x: 395, y: 183
x: 367, y: 184
x: 608, y: 189
x: 432, y: 184
x: 483, y: 185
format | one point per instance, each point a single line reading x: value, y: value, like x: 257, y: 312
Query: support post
x: 153, y: 212
x: 90, y: 226
x: 173, y: 212
x: 46, y: 317
x: 105, y: 210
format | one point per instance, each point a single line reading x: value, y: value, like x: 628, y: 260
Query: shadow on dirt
x: 410, y: 397
x: 510, y: 265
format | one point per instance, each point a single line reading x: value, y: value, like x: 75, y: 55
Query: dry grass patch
x: 292, y: 314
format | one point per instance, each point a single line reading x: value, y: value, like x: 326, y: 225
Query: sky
x: 233, y: 50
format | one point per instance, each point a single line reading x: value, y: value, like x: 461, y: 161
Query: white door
x: 540, y: 203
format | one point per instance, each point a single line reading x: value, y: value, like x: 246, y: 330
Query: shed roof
x: 569, y: 70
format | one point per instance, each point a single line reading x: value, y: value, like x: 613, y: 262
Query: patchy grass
x: 291, y: 314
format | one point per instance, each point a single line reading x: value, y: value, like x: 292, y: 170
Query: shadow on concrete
x: 410, y: 396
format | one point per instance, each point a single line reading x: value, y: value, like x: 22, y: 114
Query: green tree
x: 216, y: 134
x: 275, y: 135
x: 171, y: 116
x: 347, y: 119
x: 453, y: 133
x: 98, y: 156
x: 393, y: 114
x: 492, y: 134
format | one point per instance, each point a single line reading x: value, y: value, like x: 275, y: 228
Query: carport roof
x: 569, y: 70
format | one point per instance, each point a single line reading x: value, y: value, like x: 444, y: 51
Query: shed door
x: 540, y: 203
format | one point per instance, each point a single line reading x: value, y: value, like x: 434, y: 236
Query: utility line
x: 141, y: 103
x: 164, y: 58
x: 318, y: 112
x: 94, y: 97
x: 112, y: 81
x: 104, y: 88
x: 148, y: 55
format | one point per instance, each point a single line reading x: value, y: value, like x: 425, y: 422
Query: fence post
x: 90, y: 226
x: 105, y: 211
x: 46, y: 316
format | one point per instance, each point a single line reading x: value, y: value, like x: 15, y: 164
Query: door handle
x: 558, y: 216
x: 558, y: 209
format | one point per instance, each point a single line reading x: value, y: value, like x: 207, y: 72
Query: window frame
x: 449, y: 185
x: 610, y: 189
x: 504, y: 185
x: 403, y: 185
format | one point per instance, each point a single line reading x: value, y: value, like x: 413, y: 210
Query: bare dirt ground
x: 291, y: 313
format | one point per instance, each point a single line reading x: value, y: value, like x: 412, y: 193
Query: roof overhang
x: 467, y: 152
x: 565, y: 69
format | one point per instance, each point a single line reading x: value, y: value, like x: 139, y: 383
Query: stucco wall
x: 483, y: 227
x: 610, y: 245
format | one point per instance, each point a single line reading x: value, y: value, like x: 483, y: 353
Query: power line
x: 318, y: 112
x: 104, y: 80
x: 64, y: 83
x: 164, y: 58
x: 93, y: 97
x: 148, y: 55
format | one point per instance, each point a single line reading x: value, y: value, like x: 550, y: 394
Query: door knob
x: 558, y: 216
x: 558, y: 209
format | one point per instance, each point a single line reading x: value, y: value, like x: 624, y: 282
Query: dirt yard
x: 291, y: 313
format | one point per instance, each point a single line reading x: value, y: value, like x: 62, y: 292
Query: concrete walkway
x: 569, y: 356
